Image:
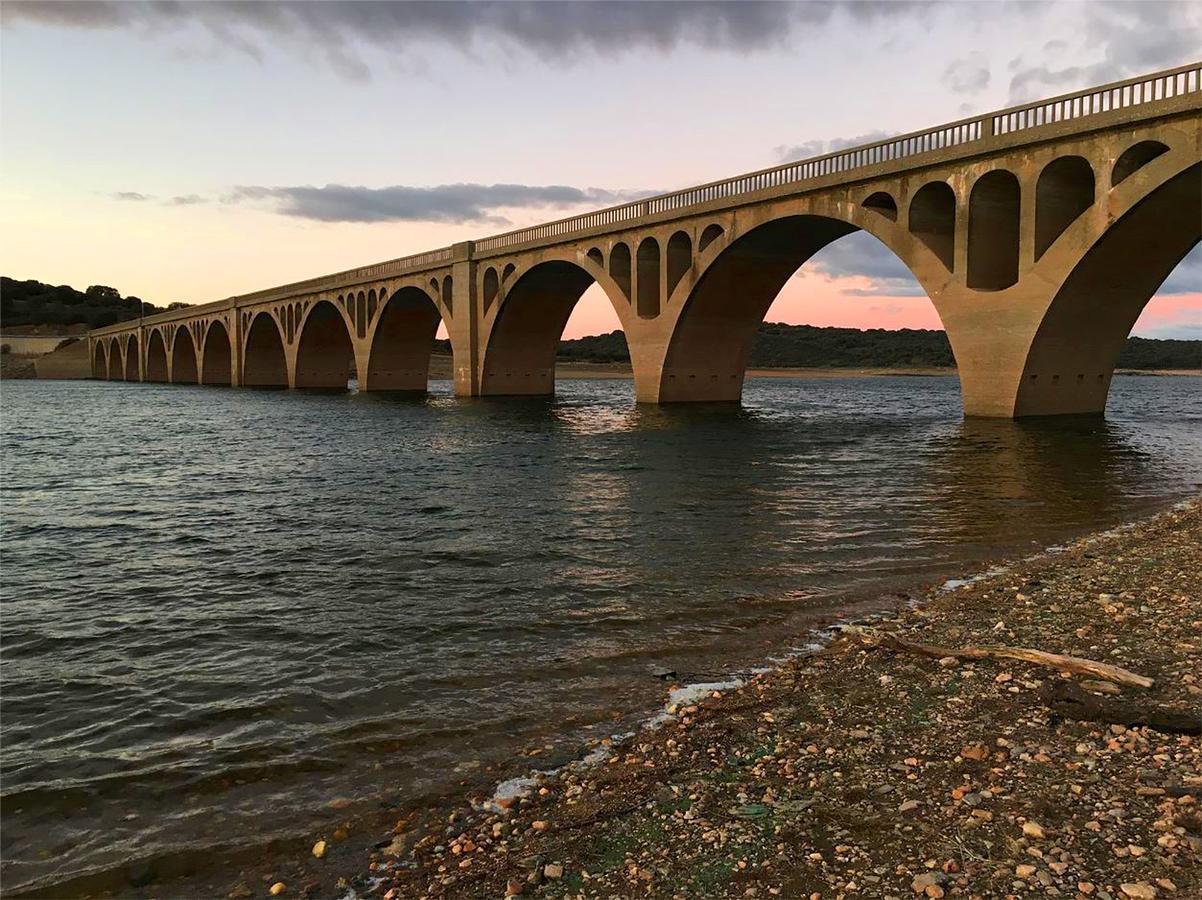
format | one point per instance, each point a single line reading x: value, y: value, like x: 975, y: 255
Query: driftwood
x: 1068, y: 700
x: 1073, y: 664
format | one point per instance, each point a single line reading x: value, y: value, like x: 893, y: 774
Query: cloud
x: 187, y: 200
x: 968, y: 74
x: 1126, y: 39
x: 1187, y: 277
x: 132, y: 196
x: 861, y: 255
x: 555, y: 29
x: 451, y: 203
x: 808, y: 149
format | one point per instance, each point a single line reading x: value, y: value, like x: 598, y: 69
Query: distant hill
x: 804, y: 346
x: 25, y: 303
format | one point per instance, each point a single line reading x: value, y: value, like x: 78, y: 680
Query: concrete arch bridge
x: 1039, y: 232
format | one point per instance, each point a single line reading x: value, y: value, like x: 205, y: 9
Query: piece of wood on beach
x: 1074, y: 664
x: 1067, y: 700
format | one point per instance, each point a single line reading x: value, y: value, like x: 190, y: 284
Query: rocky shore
x: 867, y: 772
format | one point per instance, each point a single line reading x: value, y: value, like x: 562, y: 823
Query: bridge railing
x: 386, y: 269
x: 1078, y: 105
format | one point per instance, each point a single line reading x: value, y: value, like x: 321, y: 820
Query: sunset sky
x: 190, y: 152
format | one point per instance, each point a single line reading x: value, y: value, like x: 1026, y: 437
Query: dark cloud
x: 968, y: 74
x: 1187, y: 277
x: 555, y: 29
x: 808, y: 149
x: 131, y: 195
x: 454, y: 203
x: 860, y: 254
x: 1126, y: 39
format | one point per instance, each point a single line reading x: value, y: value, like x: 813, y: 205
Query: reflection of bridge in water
x: 1039, y: 232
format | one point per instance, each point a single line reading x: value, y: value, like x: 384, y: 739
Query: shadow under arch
x: 1073, y: 354
x: 217, y: 361
x: 519, y: 357
x: 131, y: 358
x: 100, y: 361
x: 706, y: 357
x: 263, y: 361
x: 183, y: 358
x: 401, y: 344
x: 325, y: 349
x: 156, y: 357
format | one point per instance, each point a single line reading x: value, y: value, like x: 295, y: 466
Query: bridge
x: 1039, y: 232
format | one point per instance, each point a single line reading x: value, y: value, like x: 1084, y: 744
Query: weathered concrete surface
x: 1039, y: 234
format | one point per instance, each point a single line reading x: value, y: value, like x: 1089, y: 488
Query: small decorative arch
x: 156, y: 357
x: 648, y: 278
x: 619, y: 267
x: 882, y: 202
x: 263, y: 361
x: 510, y: 268
x: 434, y: 286
x: 448, y: 294
x: 933, y: 220
x: 360, y: 317
x: 216, y: 361
x: 324, y: 351
x: 680, y: 258
x: 491, y: 287
x: 993, y: 231
x: 371, y: 305
x: 597, y: 256
x: 1134, y: 158
x: 709, y: 235
x: 183, y: 357
x: 1065, y: 189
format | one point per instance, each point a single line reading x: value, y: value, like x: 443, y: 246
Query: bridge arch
x: 325, y: 347
x: 402, y: 341
x: 1134, y: 158
x: 216, y: 364
x: 100, y: 360
x: 183, y: 357
x: 993, y: 231
x: 705, y: 357
x: 131, y: 358
x: 1064, y: 190
x: 1070, y: 362
x: 933, y: 220
x: 156, y: 357
x: 523, y: 334
x: 264, y: 363
x: 115, y: 372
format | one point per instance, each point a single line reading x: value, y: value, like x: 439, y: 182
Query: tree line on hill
x: 776, y: 345
x: 33, y: 303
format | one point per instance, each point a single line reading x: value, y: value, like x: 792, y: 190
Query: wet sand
x: 857, y: 771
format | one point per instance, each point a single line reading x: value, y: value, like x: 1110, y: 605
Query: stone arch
x: 183, y: 357
x: 399, y: 356
x: 706, y: 354
x: 1134, y: 158
x: 647, y: 280
x: 1065, y: 189
x: 619, y: 267
x: 156, y: 357
x: 491, y: 287
x: 993, y: 231
x: 131, y: 358
x: 372, y: 306
x: 510, y: 268
x: 680, y: 258
x: 325, y: 350
x: 100, y: 360
x: 596, y: 256
x: 882, y: 202
x: 1071, y: 359
x: 519, y: 351
x: 115, y: 372
x: 217, y: 361
x: 264, y: 363
x: 709, y: 235
x: 933, y: 220
x: 448, y: 295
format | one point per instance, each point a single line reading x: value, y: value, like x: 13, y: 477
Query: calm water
x: 222, y: 609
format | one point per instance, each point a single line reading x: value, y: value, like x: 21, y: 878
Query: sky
x: 192, y: 151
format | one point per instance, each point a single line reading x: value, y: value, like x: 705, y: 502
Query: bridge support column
x: 463, y: 327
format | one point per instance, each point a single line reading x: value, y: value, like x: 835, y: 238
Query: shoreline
x: 563, y: 837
